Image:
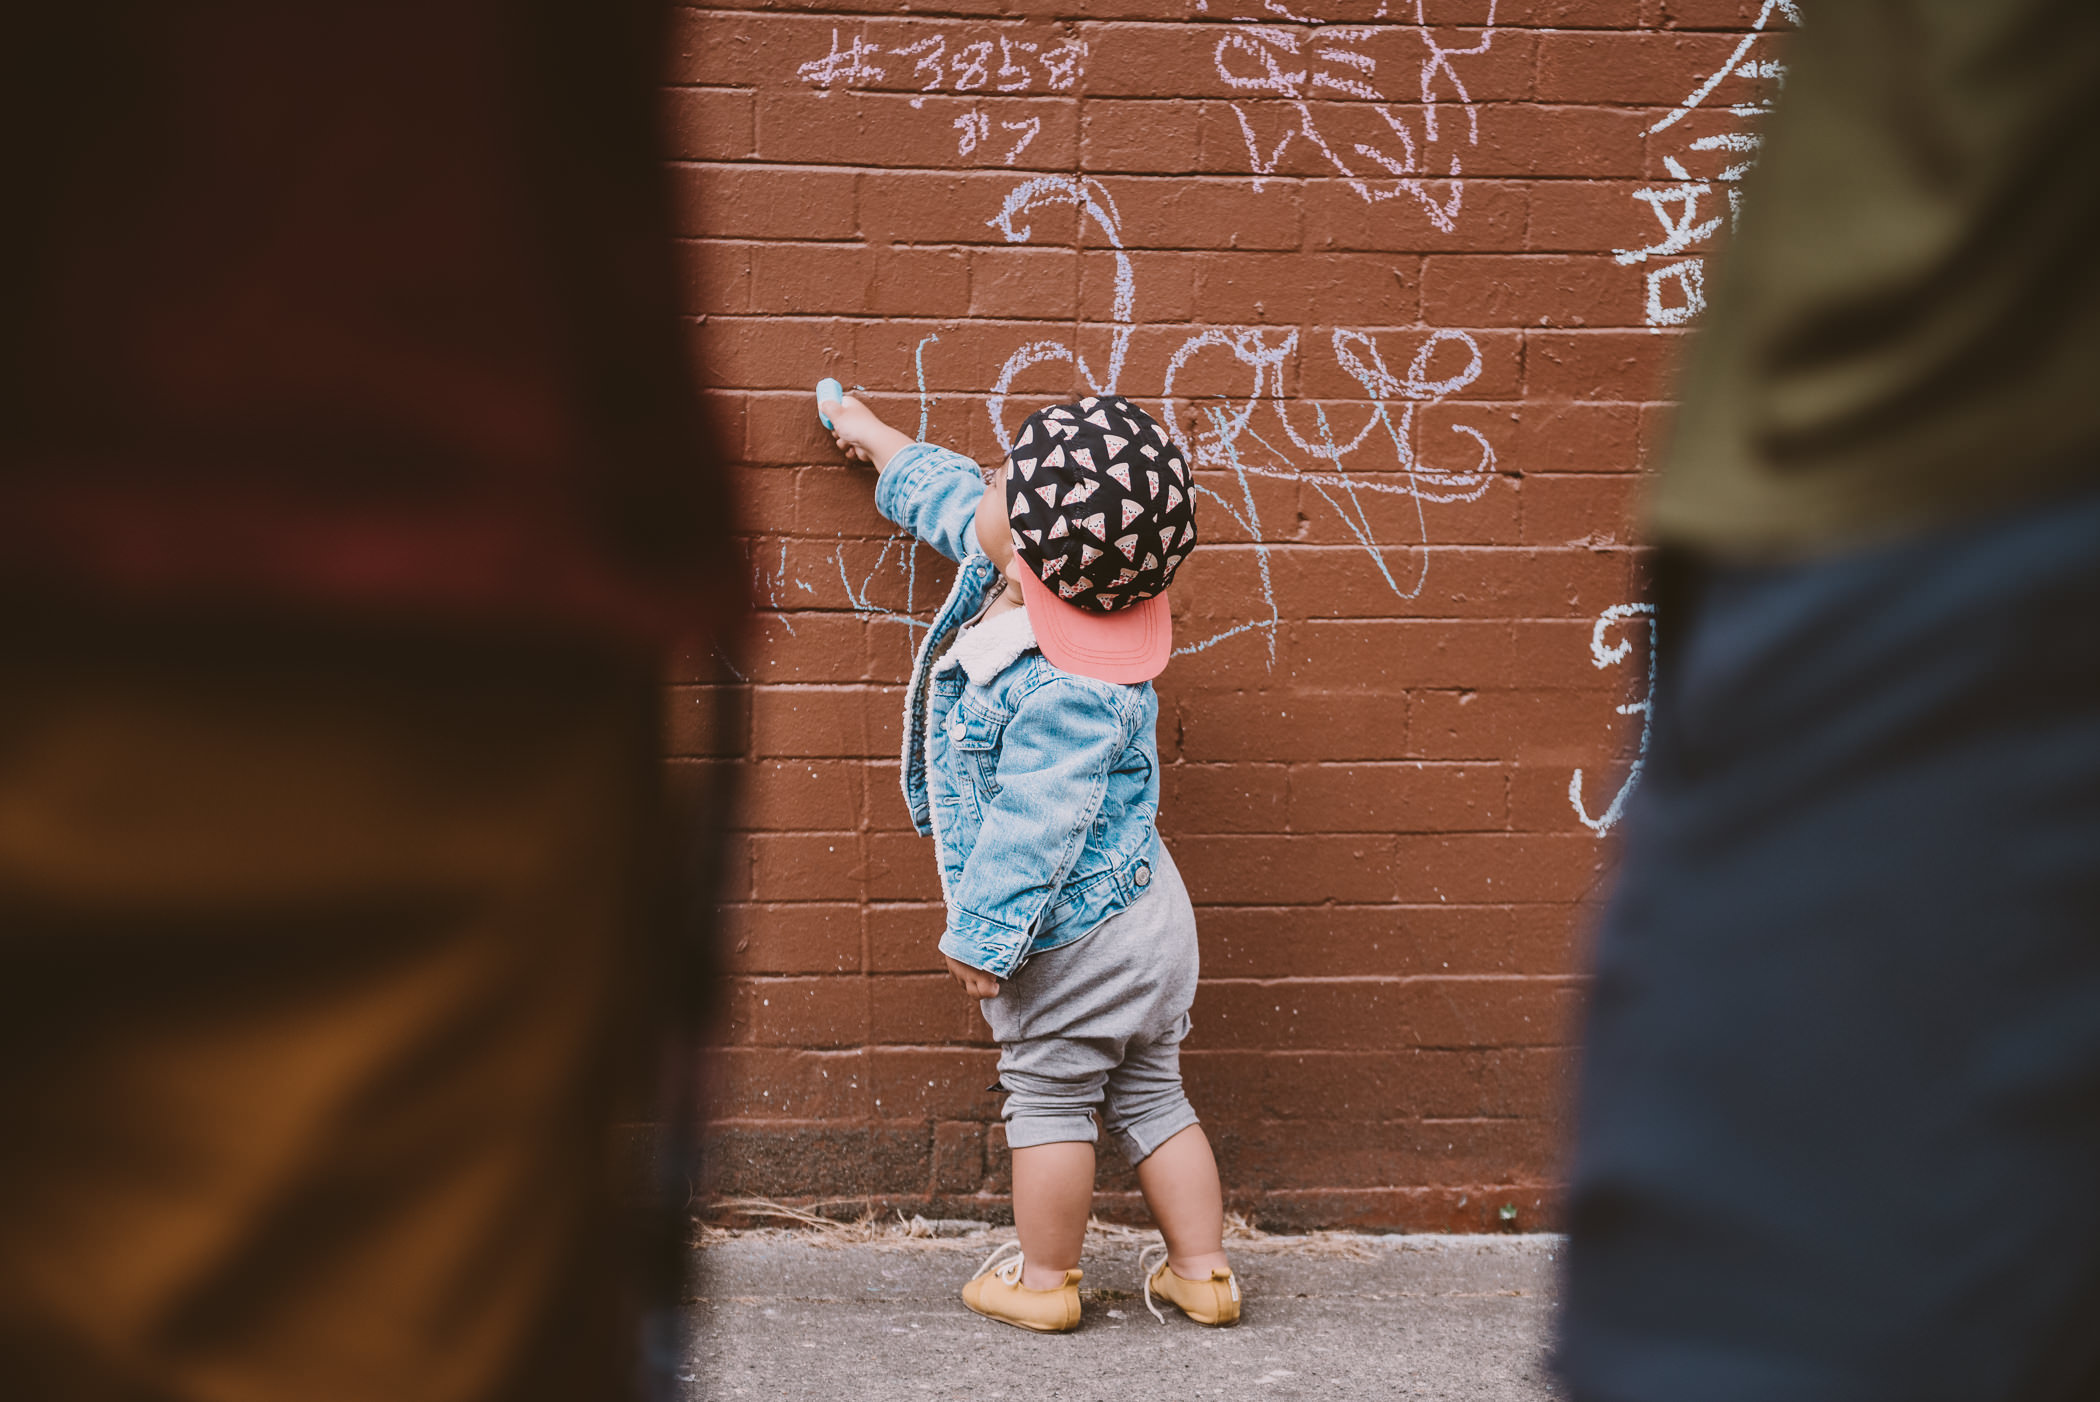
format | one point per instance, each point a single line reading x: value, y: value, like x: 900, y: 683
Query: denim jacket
x: 1039, y: 787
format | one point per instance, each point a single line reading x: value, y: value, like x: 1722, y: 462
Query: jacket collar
x: 986, y: 649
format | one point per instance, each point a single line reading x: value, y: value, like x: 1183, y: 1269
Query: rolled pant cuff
x: 1027, y: 1131
x: 1139, y: 1139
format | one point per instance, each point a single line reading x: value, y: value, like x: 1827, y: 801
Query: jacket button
x: 1143, y: 875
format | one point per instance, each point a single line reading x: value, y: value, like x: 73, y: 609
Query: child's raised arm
x: 929, y: 491
x: 858, y: 430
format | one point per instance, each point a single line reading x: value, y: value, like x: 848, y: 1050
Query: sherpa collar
x: 987, y: 648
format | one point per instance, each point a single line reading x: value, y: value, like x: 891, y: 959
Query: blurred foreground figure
x: 351, y: 487
x: 1840, y: 1115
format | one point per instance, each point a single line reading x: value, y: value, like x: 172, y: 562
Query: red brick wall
x: 1389, y: 278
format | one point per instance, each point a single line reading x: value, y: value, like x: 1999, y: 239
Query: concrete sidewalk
x: 784, y: 1316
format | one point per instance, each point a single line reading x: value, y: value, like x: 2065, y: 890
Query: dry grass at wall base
x: 827, y: 1224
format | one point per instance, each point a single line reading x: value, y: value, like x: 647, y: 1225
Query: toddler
x: 1029, y: 757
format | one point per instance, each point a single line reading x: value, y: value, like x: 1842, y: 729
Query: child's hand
x: 976, y: 982
x: 862, y: 435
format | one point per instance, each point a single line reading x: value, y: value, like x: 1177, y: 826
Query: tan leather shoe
x: 1214, y: 1300
x: 996, y: 1292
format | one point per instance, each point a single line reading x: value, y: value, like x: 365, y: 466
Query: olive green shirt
x: 1906, y: 330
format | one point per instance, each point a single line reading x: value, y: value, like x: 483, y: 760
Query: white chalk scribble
x: 1603, y: 654
x: 1674, y: 264
x: 999, y: 65
x: 1386, y: 131
x: 1385, y: 107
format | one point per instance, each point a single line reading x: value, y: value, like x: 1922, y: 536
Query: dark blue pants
x: 1839, y: 1130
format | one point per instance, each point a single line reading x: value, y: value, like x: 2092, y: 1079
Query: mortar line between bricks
x: 1220, y: 22
x: 1201, y: 177
x: 987, y: 1049
x: 979, y: 17
x: 1334, y: 547
x: 1226, y: 981
x: 989, y: 1053
x: 1383, y: 1053
x: 1132, y: 173
x: 1326, y: 980
x: 933, y: 904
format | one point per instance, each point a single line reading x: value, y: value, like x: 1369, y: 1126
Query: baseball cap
x: 1102, y: 507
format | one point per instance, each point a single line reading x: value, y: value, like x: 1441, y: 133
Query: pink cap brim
x: 1127, y: 646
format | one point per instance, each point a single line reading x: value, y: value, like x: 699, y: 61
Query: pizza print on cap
x: 1101, y: 475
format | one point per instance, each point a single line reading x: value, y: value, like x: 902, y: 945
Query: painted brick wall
x: 1410, y: 279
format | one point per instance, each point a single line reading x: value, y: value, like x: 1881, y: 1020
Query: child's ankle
x: 1035, y: 1277
x: 1198, y: 1267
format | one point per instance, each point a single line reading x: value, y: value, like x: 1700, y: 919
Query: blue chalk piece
x: 828, y: 392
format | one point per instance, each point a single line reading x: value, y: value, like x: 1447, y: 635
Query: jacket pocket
x: 975, y: 735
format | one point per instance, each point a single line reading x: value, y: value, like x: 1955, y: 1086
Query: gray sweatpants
x: 1098, y: 1023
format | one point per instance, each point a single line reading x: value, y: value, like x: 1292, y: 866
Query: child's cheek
x: 994, y: 536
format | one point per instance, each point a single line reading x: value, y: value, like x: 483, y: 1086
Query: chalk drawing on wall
x: 853, y: 66
x: 773, y: 581
x: 1256, y: 432
x: 1605, y: 653
x: 975, y: 132
x: 1001, y: 65
x: 1233, y: 442
x: 1376, y: 444
x: 905, y: 547
x: 1674, y: 264
x: 1394, y: 118
x: 1247, y: 516
x: 1257, y: 435
x: 1092, y: 199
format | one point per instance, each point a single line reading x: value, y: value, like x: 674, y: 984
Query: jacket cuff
x: 893, y: 483
x: 995, y: 949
